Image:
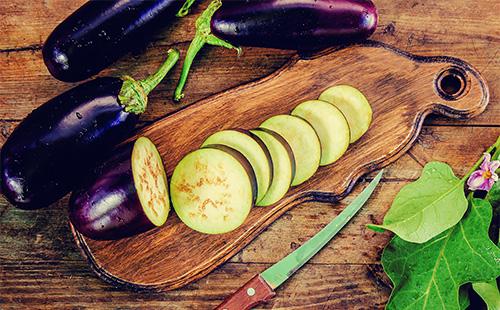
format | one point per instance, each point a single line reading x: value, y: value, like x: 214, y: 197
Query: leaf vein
x: 441, y: 252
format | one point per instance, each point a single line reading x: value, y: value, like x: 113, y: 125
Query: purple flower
x: 485, y: 177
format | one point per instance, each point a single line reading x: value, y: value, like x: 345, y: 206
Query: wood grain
x: 42, y: 269
x: 422, y: 27
x: 402, y: 91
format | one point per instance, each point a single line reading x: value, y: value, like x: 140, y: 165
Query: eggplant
x: 125, y: 195
x: 299, y: 25
x: 44, y: 157
x: 101, y: 32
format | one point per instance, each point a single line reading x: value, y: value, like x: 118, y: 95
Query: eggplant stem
x: 133, y: 95
x: 154, y: 79
x: 185, y: 8
x: 203, y: 36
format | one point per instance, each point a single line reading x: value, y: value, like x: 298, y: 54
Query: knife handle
x: 253, y: 293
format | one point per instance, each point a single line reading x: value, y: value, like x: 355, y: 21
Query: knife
x: 261, y: 287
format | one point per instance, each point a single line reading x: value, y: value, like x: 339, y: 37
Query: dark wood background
x: 40, y: 266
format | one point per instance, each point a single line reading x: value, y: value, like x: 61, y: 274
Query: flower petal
x: 486, y: 162
x: 475, y: 180
x: 494, y: 177
x: 494, y: 165
x: 487, y: 185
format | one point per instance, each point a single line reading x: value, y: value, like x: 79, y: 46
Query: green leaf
x: 489, y: 293
x: 429, y: 275
x: 428, y: 206
x: 494, y: 194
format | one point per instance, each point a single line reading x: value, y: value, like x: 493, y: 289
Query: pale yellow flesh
x: 211, y: 191
x: 150, y: 181
x: 304, y: 143
x: 330, y: 125
x: 353, y: 104
x: 251, y: 150
x: 282, y: 168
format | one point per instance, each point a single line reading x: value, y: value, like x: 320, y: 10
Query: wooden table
x: 39, y: 263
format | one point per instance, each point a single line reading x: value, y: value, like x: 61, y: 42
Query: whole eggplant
x: 108, y: 206
x: 101, y: 32
x: 283, y: 24
x: 298, y: 25
x: 44, y: 157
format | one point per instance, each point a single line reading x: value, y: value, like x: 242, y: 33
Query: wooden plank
x: 339, y: 286
x: 420, y: 28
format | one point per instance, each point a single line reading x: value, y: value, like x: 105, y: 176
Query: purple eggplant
x: 101, y: 32
x: 127, y: 194
x: 46, y: 154
x: 298, y: 24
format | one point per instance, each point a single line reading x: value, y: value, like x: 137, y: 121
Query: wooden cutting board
x: 402, y: 89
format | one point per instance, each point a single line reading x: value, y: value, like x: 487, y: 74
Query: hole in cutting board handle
x: 452, y: 83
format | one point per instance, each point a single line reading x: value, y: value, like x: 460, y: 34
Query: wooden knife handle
x: 254, y: 292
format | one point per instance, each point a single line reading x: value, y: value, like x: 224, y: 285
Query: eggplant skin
x: 45, y: 156
x: 108, y: 207
x: 100, y: 32
x: 299, y: 25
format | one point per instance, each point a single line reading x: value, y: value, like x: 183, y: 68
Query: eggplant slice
x: 253, y: 150
x: 330, y: 125
x: 150, y: 181
x: 303, y: 140
x: 353, y: 104
x: 213, y: 189
x: 283, y: 165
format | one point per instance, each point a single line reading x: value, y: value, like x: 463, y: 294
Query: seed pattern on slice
x: 150, y: 181
x: 254, y: 152
x: 212, y: 191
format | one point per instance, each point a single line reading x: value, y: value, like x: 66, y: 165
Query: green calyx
x: 133, y: 95
x: 203, y: 36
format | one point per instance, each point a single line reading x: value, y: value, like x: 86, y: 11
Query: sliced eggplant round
x: 330, y: 125
x: 253, y: 150
x: 283, y: 165
x: 127, y: 195
x: 303, y: 140
x: 353, y: 104
x: 213, y: 189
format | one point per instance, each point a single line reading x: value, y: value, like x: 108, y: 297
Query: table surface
x: 40, y: 265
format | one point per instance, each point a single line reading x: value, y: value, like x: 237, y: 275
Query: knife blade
x: 261, y: 287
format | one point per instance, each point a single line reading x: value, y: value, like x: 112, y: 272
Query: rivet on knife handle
x: 253, y: 293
